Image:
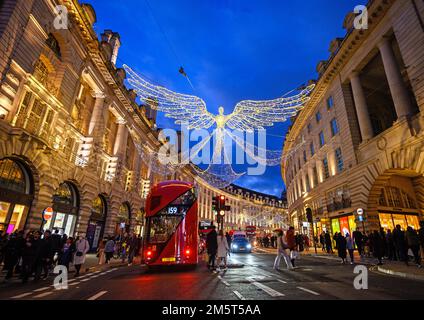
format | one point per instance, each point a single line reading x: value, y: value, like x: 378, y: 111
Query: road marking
x: 309, y: 291
x: 22, y: 295
x: 103, y: 273
x: 85, y: 280
x: 98, y: 295
x: 41, y: 289
x: 75, y: 283
x: 238, y: 294
x: 45, y: 294
x: 270, y: 291
x: 282, y: 281
x: 223, y: 281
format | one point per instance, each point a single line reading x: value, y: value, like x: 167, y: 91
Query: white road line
x: 75, y: 283
x: 45, y: 294
x: 103, y: 273
x: 223, y: 281
x: 41, y: 289
x: 22, y: 295
x: 85, y: 280
x: 270, y: 291
x: 282, y: 281
x: 238, y: 294
x: 309, y: 291
x: 98, y: 295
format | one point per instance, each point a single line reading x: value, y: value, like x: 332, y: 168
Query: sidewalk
x: 393, y: 268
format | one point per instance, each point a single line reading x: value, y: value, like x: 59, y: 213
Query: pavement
x: 394, y: 268
x: 314, y: 279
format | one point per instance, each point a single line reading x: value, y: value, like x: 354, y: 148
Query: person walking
x: 400, y: 244
x: 291, y: 244
x: 390, y: 246
x: 29, y: 255
x: 81, y: 248
x: 133, y: 248
x: 341, y: 247
x: 413, y: 243
x: 67, y: 253
x: 322, y: 241
x: 101, y: 252
x: 328, y: 244
x: 358, y: 239
x: 377, y: 246
x: 421, y: 237
x: 109, y: 249
x: 281, y: 252
x: 46, y: 254
x: 11, y: 255
x: 229, y: 240
x: 212, y: 247
x: 223, y: 250
x: 350, y: 245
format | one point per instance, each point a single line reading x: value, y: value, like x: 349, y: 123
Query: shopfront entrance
x: 389, y: 221
x: 16, y: 195
x: 343, y: 225
x: 97, y: 222
x: 124, y: 220
x: 139, y: 223
x: 66, y: 210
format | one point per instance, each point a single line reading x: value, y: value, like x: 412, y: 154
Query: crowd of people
x: 396, y: 245
x: 271, y: 241
x: 35, y: 254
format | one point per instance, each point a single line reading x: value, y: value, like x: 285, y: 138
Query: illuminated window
x: 41, y: 72
x: 318, y: 116
x: 330, y: 103
x: 326, y: 169
x: 312, y: 147
x: 339, y: 160
x: 53, y: 44
x: 12, y: 177
x: 334, y: 127
x: 321, y: 139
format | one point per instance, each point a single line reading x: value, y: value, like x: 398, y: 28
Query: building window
x: 326, y: 169
x: 318, y: 116
x: 305, y: 158
x: 312, y: 147
x: 41, y: 72
x: 53, y: 44
x: 330, y: 103
x: 309, y: 128
x: 315, y: 176
x: 308, y: 185
x: 334, y: 127
x: 339, y: 159
x: 321, y: 139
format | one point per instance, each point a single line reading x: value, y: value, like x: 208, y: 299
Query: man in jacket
x: 358, y: 238
x: 413, y: 242
x: 212, y: 247
x: 400, y: 245
x: 46, y: 255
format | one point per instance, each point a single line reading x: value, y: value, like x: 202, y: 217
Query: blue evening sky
x: 232, y: 50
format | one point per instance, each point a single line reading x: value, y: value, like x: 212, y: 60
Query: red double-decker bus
x: 171, y: 233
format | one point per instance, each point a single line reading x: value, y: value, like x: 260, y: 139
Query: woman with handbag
x: 82, y: 247
x: 281, y: 252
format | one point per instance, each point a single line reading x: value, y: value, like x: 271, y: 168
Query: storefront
x: 16, y: 195
x: 389, y: 220
x: 124, y: 220
x: 66, y: 210
x: 343, y: 225
x: 97, y: 222
x: 139, y: 223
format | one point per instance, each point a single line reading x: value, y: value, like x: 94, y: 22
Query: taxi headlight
x: 249, y: 246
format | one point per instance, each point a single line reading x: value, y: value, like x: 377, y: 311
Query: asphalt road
x: 314, y: 279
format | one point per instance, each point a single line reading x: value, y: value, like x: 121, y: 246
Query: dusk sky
x: 232, y: 50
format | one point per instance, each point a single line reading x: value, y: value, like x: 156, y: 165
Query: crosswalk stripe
x: 223, y: 281
x: 41, y: 289
x: 309, y: 291
x: 75, y: 283
x: 22, y: 295
x: 98, y: 295
x: 45, y: 294
x: 238, y: 294
x: 282, y: 281
x: 270, y: 291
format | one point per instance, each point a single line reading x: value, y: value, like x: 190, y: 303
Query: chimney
x: 114, y: 39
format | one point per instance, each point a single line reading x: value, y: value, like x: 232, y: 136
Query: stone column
x: 97, y: 117
x: 397, y: 86
x: 121, y: 138
x: 361, y: 107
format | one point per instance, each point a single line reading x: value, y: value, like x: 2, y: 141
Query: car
x: 241, y: 244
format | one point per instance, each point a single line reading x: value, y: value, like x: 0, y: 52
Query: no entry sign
x: 48, y: 213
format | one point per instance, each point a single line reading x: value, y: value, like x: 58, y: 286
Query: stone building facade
x: 358, y: 143
x: 70, y: 131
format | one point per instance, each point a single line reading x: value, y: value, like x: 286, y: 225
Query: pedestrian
x: 3, y: 242
x: 358, y: 239
x: 421, y: 236
x: 400, y: 244
x: 390, y: 246
x: 57, y: 245
x: 212, y: 247
x: 11, y: 255
x: 281, y: 252
x: 223, y: 250
x: 384, y: 242
x: 328, y: 244
x: 335, y: 239
x: 67, y: 253
x: 350, y: 245
x: 101, y: 252
x: 29, y: 255
x: 81, y: 248
x: 322, y: 241
x: 341, y: 246
x: 291, y: 244
x: 307, y: 242
x: 413, y: 243
x: 133, y: 248
x: 377, y: 246
x: 45, y: 257
x: 229, y: 240
x: 109, y: 249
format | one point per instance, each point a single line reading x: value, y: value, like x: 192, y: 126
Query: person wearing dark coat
x: 11, y: 255
x: 421, y: 237
x: 400, y: 244
x: 378, y: 246
x: 328, y: 244
x: 45, y: 256
x: 212, y: 247
x: 358, y: 239
x: 390, y: 245
x: 66, y: 254
x: 413, y: 243
x: 29, y: 255
x: 341, y: 247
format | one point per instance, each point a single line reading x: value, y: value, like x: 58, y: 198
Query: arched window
x: 13, y: 177
x: 41, y: 72
x: 53, y: 44
x: 98, y: 209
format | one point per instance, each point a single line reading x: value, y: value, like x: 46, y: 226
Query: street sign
x: 360, y: 211
x: 48, y: 213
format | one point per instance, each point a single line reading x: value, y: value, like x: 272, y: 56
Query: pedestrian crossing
x: 44, y: 292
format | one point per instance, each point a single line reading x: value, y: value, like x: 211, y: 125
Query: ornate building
x: 361, y: 134
x: 70, y: 131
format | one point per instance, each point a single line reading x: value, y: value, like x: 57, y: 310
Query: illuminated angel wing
x: 184, y: 108
x: 251, y: 115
